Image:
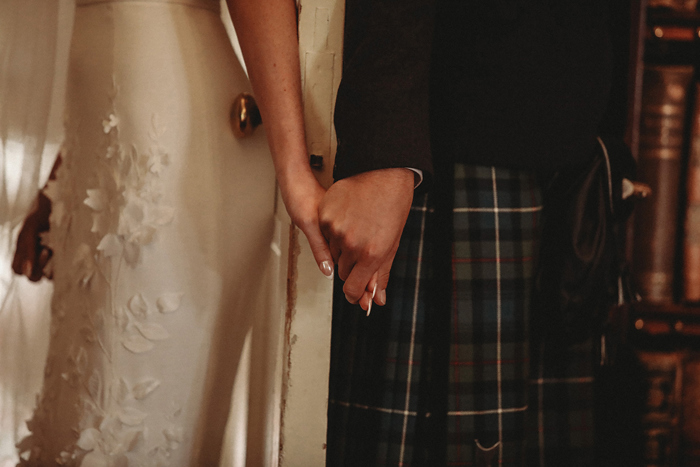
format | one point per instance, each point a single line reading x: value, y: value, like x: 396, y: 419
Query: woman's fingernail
x: 327, y: 268
x: 382, y: 297
x: 371, y: 300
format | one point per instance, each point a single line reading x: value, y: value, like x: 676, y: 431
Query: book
x: 661, y: 139
x: 691, y: 234
x: 678, y: 5
x: 661, y: 411
x: 690, y: 415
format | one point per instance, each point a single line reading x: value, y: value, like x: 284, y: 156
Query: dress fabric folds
x: 161, y: 223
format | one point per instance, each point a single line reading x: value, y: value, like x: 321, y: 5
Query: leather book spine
x: 661, y: 412
x: 691, y: 235
x: 690, y: 416
x: 678, y: 5
x: 662, y: 133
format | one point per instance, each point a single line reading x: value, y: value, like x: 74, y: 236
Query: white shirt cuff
x: 418, y: 177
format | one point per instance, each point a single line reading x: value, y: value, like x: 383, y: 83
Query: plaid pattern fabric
x: 381, y: 365
x: 376, y: 362
x: 560, y: 419
x: 495, y: 222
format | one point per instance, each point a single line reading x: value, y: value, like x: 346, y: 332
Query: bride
x: 160, y: 222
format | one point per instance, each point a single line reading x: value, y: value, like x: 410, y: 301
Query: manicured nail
x: 382, y: 297
x: 371, y: 300
x: 327, y: 268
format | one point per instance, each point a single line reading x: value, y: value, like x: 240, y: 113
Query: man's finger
x: 356, y: 283
x: 346, y: 263
x: 366, y: 301
x: 372, y: 284
x: 382, y: 282
x: 26, y: 251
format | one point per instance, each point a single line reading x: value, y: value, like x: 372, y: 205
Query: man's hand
x: 362, y: 217
x: 31, y: 256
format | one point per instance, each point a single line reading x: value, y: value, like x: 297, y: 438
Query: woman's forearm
x: 267, y: 33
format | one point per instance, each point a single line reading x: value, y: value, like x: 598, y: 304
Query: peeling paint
x: 292, y: 276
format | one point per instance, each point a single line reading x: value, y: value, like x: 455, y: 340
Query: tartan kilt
x: 405, y: 391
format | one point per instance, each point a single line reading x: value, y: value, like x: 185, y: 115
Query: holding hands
x: 356, y: 224
x: 362, y: 218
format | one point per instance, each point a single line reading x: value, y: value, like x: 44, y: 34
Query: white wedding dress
x: 161, y: 226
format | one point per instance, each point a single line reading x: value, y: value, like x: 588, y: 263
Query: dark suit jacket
x: 514, y: 83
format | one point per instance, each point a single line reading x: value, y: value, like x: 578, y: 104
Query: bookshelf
x: 665, y: 37
x: 660, y: 333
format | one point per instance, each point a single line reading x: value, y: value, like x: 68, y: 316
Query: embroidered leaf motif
x: 131, y: 253
x: 169, y: 302
x: 136, y: 343
x: 124, y: 441
x: 174, y: 435
x: 110, y: 245
x: 88, y: 439
x: 113, y: 150
x: 121, y: 317
x: 65, y: 457
x: 87, y: 404
x: 153, y: 331
x: 122, y: 391
x: 143, y: 235
x: 94, y: 385
x: 97, y: 199
x: 95, y: 459
x: 157, y: 161
x: 137, y: 442
x: 144, y: 388
x: 100, y: 222
x: 138, y: 305
x: 81, y: 361
x: 130, y: 218
x: 111, y: 122
x: 161, y: 215
x: 109, y: 425
x: 131, y: 416
x: 84, y: 264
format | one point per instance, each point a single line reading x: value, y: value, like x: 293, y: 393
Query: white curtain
x: 34, y: 43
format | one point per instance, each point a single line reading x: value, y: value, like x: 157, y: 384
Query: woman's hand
x: 31, y: 256
x: 302, y: 196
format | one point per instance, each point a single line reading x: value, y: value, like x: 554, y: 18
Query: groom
x: 511, y: 85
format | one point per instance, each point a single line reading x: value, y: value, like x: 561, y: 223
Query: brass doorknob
x: 245, y: 116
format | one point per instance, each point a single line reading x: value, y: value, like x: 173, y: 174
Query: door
x: 309, y: 294
x: 280, y: 399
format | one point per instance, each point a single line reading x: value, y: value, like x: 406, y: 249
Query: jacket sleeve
x: 381, y: 113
